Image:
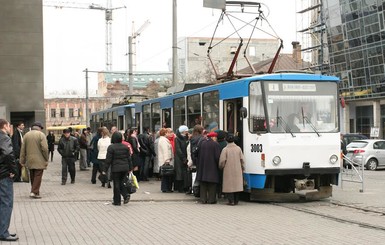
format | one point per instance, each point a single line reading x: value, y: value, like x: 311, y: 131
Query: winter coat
x: 180, y: 161
x: 94, y: 149
x: 16, y: 143
x: 135, y: 156
x: 208, y: 159
x: 118, y: 156
x: 232, y: 162
x: 103, y: 144
x: 34, y: 150
x: 7, y: 157
x: 164, y: 151
x: 51, y: 142
x: 156, y: 162
x: 68, y: 147
x: 146, y: 145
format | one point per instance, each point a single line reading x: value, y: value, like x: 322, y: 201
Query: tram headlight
x: 276, y: 160
x: 333, y: 159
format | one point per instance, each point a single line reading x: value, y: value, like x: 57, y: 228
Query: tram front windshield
x: 298, y: 107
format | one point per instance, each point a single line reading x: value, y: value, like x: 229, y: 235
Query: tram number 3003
x: 256, y: 147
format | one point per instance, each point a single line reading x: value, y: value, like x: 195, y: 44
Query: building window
x: 53, y: 113
x: 71, y: 112
x: 62, y: 112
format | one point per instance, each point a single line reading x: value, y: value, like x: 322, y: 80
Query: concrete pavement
x: 81, y: 213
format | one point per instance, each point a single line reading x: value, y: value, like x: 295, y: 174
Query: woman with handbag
x: 103, y: 144
x: 165, y: 159
x: 119, y: 159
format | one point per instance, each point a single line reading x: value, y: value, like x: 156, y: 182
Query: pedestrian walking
x: 51, y: 144
x: 68, y: 147
x: 89, y: 146
x: 207, y: 169
x: 17, y: 140
x: 132, y: 138
x: 8, y: 170
x: 232, y: 162
x: 118, y: 159
x: 83, y: 150
x: 103, y: 144
x: 97, y: 165
x: 34, y: 155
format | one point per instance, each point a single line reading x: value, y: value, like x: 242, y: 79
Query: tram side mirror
x: 243, y: 112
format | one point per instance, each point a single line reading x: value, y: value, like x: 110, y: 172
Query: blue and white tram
x: 287, y: 125
x: 122, y: 117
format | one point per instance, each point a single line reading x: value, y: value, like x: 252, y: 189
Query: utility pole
x: 87, y: 113
x: 174, y: 45
x: 130, y: 75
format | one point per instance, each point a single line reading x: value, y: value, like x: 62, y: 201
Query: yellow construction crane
x: 108, y: 15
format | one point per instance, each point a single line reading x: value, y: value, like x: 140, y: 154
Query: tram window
x: 129, y: 118
x: 211, y: 110
x: 155, y: 117
x: 194, y: 110
x: 179, y: 112
x: 257, y: 119
x: 146, y: 116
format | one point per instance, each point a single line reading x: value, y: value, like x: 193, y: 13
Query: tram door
x: 232, y: 119
x: 166, y: 118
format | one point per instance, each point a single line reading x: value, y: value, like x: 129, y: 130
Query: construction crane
x: 134, y: 35
x: 108, y: 16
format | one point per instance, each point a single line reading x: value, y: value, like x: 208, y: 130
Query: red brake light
x: 358, y: 151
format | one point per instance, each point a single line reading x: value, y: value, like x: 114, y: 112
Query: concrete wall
x: 21, y: 61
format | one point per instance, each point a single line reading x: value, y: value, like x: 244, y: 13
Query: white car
x: 369, y: 151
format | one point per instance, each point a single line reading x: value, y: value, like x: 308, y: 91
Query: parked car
x: 369, y: 151
x: 347, y: 138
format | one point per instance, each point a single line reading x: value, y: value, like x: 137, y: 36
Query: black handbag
x: 127, y: 183
x: 166, y: 170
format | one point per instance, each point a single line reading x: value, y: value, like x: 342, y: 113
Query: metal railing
x: 352, y: 172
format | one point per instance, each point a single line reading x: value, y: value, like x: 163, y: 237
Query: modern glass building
x: 355, y: 31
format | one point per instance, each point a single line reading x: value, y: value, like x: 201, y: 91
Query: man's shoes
x: 116, y: 204
x: 63, y: 183
x: 109, y: 185
x: 9, y: 238
x: 126, y: 200
x: 33, y: 195
x: 13, y: 234
x: 72, y: 181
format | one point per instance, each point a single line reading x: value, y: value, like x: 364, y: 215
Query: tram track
x: 335, y: 217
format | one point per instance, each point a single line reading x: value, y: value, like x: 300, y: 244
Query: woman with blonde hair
x: 165, y: 156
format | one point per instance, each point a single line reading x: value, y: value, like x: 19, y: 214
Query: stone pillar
x: 377, y: 116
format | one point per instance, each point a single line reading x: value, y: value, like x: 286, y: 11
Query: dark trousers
x: 145, y: 167
x: 68, y: 165
x: 233, y: 197
x: 88, y: 157
x: 119, y: 188
x: 96, y: 167
x: 35, y: 176
x: 208, y: 192
x: 51, y: 154
x: 6, y: 205
x: 166, y: 183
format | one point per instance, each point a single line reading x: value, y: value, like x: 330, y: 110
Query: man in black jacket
x: 146, y: 152
x: 68, y: 147
x: 8, y: 170
x: 17, y: 140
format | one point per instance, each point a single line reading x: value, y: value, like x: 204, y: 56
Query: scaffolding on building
x: 311, y: 26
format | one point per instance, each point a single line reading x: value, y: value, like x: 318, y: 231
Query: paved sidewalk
x: 82, y: 213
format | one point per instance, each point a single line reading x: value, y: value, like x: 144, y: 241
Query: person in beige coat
x: 34, y: 155
x: 232, y: 162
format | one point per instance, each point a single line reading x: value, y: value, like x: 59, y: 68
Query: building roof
x: 285, y: 62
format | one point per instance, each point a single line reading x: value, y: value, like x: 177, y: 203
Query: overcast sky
x: 74, y: 39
